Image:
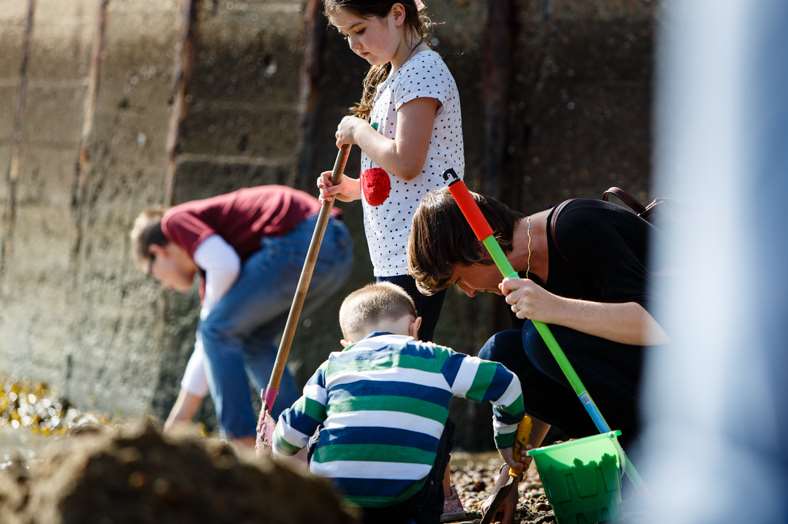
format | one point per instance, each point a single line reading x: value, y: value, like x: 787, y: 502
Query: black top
x: 602, y: 253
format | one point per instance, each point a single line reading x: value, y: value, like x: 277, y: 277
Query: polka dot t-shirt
x: 389, y: 202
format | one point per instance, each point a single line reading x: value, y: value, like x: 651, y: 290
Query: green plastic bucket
x: 582, y: 478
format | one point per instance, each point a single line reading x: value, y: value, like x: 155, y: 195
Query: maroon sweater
x: 242, y: 218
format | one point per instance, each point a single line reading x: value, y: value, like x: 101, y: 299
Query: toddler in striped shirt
x: 381, y: 406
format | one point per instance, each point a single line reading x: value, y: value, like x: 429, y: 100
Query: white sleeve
x: 424, y: 76
x: 221, y: 264
x: 195, y: 379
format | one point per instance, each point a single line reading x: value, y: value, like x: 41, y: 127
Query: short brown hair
x: 365, y: 308
x: 145, y: 233
x: 441, y: 238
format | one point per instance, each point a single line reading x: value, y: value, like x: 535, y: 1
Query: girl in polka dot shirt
x: 409, y: 129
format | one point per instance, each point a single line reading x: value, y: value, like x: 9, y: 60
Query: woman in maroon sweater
x: 248, y: 248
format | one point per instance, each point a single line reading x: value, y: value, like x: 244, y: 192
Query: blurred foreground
x: 135, y: 474
x: 58, y: 464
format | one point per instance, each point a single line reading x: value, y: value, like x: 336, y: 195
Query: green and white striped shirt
x: 381, y: 406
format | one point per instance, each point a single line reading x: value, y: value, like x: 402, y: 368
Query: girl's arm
x: 348, y: 189
x: 403, y: 156
x: 626, y: 322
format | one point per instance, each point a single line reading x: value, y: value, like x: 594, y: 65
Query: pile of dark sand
x: 137, y: 475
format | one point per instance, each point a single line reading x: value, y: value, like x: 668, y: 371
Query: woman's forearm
x: 627, y: 323
x: 184, y: 409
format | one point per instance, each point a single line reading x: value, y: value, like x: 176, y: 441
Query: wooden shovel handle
x: 304, y: 280
x: 340, y: 163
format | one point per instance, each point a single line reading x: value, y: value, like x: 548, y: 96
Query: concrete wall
x: 75, y: 312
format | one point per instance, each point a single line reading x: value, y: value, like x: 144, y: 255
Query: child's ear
x: 157, y: 250
x: 345, y: 343
x: 413, y: 328
x: 399, y: 13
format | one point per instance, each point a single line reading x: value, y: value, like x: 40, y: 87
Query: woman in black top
x: 585, y: 273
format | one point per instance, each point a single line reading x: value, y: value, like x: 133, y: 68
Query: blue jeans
x: 240, y: 333
x: 610, y: 371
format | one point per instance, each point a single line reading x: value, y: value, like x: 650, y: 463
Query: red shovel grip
x: 481, y: 228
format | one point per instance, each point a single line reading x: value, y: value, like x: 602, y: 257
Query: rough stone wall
x: 77, y: 314
x: 74, y: 313
x: 583, y: 110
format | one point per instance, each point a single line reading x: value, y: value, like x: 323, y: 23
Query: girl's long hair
x: 417, y: 21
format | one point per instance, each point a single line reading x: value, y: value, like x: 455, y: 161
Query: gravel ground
x: 474, y: 475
